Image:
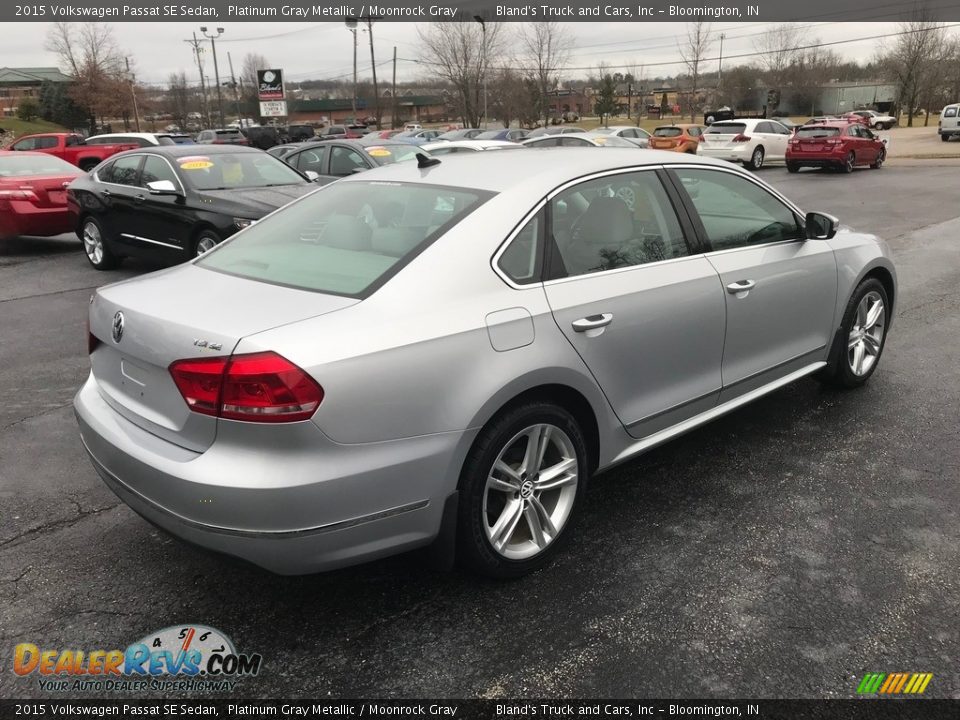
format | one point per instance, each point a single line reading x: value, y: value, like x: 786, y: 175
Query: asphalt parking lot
x: 782, y: 551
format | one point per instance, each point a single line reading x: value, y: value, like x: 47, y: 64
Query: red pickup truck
x: 71, y: 147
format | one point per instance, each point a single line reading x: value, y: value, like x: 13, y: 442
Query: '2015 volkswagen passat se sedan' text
x: 444, y: 352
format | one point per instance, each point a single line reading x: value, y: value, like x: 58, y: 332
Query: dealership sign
x: 270, y: 84
x: 273, y: 108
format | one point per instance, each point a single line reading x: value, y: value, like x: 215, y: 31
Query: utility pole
x: 393, y: 93
x: 720, y: 64
x: 483, y: 27
x: 203, y: 85
x: 133, y: 93
x: 236, y: 96
x: 351, y: 24
x: 216, y: 70
x: 373, y: 66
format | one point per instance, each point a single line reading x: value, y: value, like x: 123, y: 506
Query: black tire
x: 878, y: 163
x: 201, y: 241
x: 474, y: 548
x: 849, y: 163
x: 95, y: 245
x: 945, y: 138
x: 793, y: 167
x: 756, y: 159
x: 839, y: 372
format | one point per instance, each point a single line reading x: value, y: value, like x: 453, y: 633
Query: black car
x: 332, y: 159
x: 172, y: 203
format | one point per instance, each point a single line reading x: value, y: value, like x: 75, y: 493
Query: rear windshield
x: 724, y: 128
x: 347, y: 239
x: 667, y: 132
x: 950, y: 112
x: 30, y: 165
x: 817, y: 132
x: 228, y: 171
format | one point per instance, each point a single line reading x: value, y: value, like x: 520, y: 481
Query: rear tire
x: 861, y: 339
x: 756, y: 159
x: 850, y: 163
x: 945, y: 138
x: 510, y: 521
x: 88, y: 165
x: 95, y: 245
x: 793, y: 167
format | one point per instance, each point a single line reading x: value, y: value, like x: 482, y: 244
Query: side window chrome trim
x: 627, y: 268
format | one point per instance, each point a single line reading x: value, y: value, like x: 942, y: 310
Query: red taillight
x: 262, y: 387
x: 833, y: 141
x: 21, y: 194
x: 741, y: 138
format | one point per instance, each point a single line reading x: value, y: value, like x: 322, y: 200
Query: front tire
x: 756, y: 159
x: 945, y: 138
x: 862, y: 336
x: 95, y: 245
x: 205, y: 241
x: 519, y: 490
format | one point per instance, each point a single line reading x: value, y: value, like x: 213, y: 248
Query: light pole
x: 216, y: 70
x: 351, y: 24
x: 720, y: 64
x: 483, y: 27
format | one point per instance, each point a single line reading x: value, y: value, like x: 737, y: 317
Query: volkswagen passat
x: 444, y: 352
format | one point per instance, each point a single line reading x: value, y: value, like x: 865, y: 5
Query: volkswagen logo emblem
x: 117, y: 331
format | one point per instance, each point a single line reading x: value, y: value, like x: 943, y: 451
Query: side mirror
x: 312, y: 175
x: 162, y: 187
x: 820, y: 226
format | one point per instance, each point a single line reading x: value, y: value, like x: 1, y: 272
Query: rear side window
x: 347, y: 239
x: 522, y: 259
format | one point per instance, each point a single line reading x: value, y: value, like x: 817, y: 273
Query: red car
x: 70, y: 147
x: 33, y: 195
x: 855, y: 118
x: 837, y: 144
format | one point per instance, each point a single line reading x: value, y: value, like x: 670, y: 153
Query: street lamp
x: 216, y: 70
x: 483, y: 26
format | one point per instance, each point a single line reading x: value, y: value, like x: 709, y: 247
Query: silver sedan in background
x: 444, y: 353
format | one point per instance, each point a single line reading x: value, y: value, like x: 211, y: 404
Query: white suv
x: 748, y: 141
x: 949, y: 124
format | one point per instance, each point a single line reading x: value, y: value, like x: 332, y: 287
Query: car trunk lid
x: 721, y: 135
x: 50, y: 192
x: 185, y: 312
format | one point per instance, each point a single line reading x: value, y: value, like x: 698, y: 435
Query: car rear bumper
x: 31, y: 220
x: 949, y: 132
x: 817, y: 159
x: 297, y: 509
x: 732, y: 154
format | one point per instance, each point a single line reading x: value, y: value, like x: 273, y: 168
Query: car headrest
x: 607, y: 221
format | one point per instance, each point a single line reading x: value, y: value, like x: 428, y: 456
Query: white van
x: 949, y: 124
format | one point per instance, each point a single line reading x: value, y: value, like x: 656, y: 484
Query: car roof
x: 682, y: 126
x: 502, y: 171
x: 476, y: 144
x: 833, y: 124
x: 147, y: 136
x: 188, y: 150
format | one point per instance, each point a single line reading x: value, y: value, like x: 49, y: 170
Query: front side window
x: 312, y: 160
x: 613, y: 222
x: 345, y: 161
x: 156, y: 168
x: 27, y: 144
x: 736, y: 212
x: 346, y: 239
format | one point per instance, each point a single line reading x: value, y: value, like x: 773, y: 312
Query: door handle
x: 138, y: 198
x: 741, y: 286
x: 106, y: 193
x: 592, y: 322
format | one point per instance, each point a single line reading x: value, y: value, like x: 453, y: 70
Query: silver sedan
x: 443, y: 354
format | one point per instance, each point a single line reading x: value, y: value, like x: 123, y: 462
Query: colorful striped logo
x: 894, y: 683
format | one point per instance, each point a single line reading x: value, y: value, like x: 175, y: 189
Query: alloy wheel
x: 866, y: 336
x: 851, y: 162
x: 205, y: 244
x: 757, y: 159
x: 92, y: 243
x: 530, y: 491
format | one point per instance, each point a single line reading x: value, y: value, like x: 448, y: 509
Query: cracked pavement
x: 781, y: 551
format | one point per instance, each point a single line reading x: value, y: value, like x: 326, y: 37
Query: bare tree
x: 694, y: 52
x: 915, y: 58
x: 459, y: 52
x: 809, y: 72
x: 90, y: 54
x: 545, y: 50
x: 249, y: 90
x: 179, y: 96
x: 779, y: 47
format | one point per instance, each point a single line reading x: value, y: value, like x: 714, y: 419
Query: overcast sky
x: 324, y: 50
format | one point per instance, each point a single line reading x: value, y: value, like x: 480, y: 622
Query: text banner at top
x: 468, y: 10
